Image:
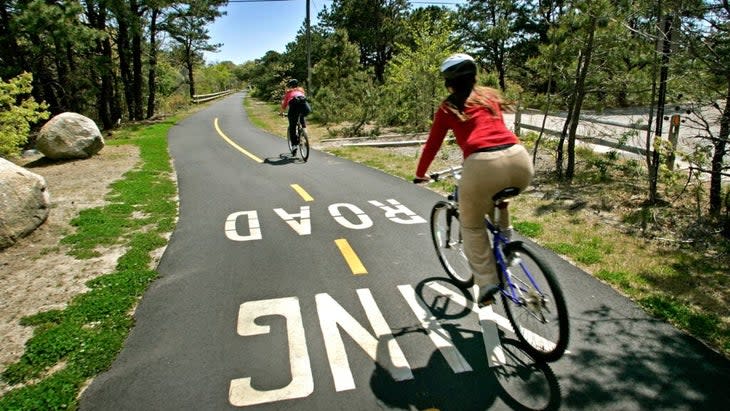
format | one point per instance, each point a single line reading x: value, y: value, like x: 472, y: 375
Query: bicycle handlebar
x: 433, y: 177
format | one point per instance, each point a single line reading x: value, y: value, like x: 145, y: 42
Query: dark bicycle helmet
x: 457, y: 65
x: 292, y: 83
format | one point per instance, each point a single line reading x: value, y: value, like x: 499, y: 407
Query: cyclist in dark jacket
x: 295, y: 99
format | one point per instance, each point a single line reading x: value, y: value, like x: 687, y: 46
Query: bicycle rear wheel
x: 303, y: 144
x: 446, y: 235
x: 288, y: 141
x: 540, y: 318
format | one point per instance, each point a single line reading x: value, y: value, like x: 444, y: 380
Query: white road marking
x: 254, y: 227
x: 301, y: 227
x: 397, y: 209
x: 241, y: 392
x: 365, y: 221
x: 332, y: 318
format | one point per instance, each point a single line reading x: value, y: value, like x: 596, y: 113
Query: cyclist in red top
x: 493, y: 161
x: 295, y: 99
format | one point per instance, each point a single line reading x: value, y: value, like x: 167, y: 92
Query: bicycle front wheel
x: 446, y: 235
x: 304, y: 145
x: 540, y: 315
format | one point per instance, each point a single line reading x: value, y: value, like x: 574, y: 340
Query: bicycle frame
x: 499, y: 242
x: 537, y: 313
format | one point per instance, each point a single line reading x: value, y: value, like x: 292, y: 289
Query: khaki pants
x: 484, y: 174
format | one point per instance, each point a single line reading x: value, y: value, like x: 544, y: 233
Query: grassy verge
x: 70, y: 346
x: 686, y: 285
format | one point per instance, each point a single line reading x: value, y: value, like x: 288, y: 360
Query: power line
x: 413, y: 2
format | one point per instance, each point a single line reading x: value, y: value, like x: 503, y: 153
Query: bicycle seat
x: 505, y: 193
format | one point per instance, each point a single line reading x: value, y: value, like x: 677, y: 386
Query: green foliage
x: 268, y: 77
x: 347, y: 94
x: 413, y: 87
x: 17, y: 112
x: 497, y: 32
x: 375, y: 26
x: 216, y: 77
x: 72, y: 345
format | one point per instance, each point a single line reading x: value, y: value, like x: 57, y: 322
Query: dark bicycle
x: 303, y: 147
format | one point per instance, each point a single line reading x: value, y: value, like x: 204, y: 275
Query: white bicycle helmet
x: 457, y: 65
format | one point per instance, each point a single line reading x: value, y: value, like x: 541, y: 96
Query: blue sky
x: 250, y: 29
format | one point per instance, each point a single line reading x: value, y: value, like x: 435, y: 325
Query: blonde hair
x: 485, y: 97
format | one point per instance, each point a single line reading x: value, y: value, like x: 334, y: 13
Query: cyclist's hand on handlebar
x: 420, y: 179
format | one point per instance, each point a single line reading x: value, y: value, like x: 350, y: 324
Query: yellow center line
x: 236, y: 146
x: 305, y: 196
x: 350, y: 257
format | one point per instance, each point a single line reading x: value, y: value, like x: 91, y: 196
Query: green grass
x: 703, y: 325
x: 587, y: 250
x: 375, y: 158
x: 527, y: 228
x: 72, y: 345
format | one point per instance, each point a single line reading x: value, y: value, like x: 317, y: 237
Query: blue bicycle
x: 531, y: 295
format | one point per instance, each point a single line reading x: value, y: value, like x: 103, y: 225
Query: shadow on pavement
x: 282, y: 159
x: 519, y: 381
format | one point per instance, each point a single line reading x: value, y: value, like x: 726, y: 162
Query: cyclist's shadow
x: 282, y: 159
x: 519, y: 381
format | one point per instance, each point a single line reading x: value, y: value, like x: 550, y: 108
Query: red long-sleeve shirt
x: 482, y: 129
x: 290, y: 94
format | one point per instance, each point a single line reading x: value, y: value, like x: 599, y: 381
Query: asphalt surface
x: 314, y: 286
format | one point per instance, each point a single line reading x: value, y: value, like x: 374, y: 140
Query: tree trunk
x: 105, y: 99
x: 566, y: 125
x: 661, y: 96
x: 152, y: 74
x: 544, y: 117
x: 45, y: 84
x: 62, y: 74
x: 190, y: 66
x: 137, y: 75
x: 717, y: 157
x: 124, y: 64
x: 580, y: 92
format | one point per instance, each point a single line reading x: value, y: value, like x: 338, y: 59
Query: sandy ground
x: 35, y: 273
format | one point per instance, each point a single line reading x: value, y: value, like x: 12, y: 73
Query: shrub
x: 18, y: 111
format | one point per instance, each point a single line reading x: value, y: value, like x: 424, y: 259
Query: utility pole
x: 309, y: 51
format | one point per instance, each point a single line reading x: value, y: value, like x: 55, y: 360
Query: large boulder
x: 24, y: 202
x: 69, y: 136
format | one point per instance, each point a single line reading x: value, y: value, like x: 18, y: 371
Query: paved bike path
x: 258, y: 306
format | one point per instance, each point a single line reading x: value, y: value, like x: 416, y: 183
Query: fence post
x: 673, y: 140
x: 518, y: 118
